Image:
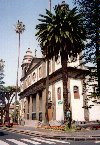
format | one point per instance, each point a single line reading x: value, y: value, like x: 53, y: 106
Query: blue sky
x: 28, y: 12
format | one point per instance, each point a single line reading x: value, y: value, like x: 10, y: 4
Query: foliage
x: 61, y: 32
x: 11, y: 89
x: 72, y: 129
x: 91, y: 12
x: 15, y: 118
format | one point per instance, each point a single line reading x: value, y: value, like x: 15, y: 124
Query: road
x: 9, y: 138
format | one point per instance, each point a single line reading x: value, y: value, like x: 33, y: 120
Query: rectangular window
x: 76, y: 92
x: 59, y: 93
x: 34, y: 116
x: 40, y: 116
x: 27, y: 116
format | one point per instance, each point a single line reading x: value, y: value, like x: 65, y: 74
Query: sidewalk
x: 79, y: 135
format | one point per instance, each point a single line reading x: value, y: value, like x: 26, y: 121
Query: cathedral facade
x: 33, y: 89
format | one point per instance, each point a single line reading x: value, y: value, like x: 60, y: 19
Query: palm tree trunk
x: 17, y: 80
x: 65, y: 86
x: 47, y: 90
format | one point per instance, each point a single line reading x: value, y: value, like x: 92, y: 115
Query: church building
x: 33, y: 89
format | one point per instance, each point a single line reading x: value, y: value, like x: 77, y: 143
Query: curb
x: 30, y: 133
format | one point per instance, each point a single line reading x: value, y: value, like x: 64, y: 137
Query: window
x: 33, y: 115
x: 40, y: 116
x: 49, y: 96
x: 73, y: 59
x: 59, y: 93
x: 40, y: 72
x: 76, y: 92
x: 34, y: 76
x: 27, y: 116
x: 58, y: 60
x: 29, y: 80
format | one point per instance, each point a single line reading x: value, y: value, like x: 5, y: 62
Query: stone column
x: 37, y: 106
x: 43, y: 105
x: 26, y: 108
x: 30, y: 108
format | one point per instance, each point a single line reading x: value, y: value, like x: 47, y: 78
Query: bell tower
x: 26, y: 61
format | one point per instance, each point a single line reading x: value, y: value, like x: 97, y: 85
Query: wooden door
x: 50, y: 114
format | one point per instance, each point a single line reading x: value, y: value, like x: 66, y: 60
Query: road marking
x: 60, y: 141
x: 3, y: 143
x: 97, y: 141
x: 30, y: 141
x: 16, y: 142
x: 45, y: 141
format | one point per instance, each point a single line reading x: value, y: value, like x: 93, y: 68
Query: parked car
x: 8, y: 124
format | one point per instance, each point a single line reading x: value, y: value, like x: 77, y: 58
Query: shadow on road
x: 2, y: 133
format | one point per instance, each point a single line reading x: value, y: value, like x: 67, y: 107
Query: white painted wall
x: 74, y: 64
x: 58, y: 63
x: 59, y: 107
x: 94, y: 112
x: 71, y: 64
x: 77, y: 104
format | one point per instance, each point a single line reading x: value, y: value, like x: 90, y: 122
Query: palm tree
x: 61, y: 33
x: 19, y: 28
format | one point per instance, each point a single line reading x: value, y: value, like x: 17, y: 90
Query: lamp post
x: 19, y: 28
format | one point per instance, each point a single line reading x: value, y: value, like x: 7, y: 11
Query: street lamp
x: 19, y: 28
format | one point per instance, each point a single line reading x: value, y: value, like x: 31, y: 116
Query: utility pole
x: 19, y: 28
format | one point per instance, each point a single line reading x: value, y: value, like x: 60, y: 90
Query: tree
x: 8, y: 93
x: 61, y: 33
x: 19, y: 28
x: 91, y: 12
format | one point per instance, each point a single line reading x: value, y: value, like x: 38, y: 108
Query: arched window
x: 49, y: 96
x: 29, y: 80
x: 76, y: 92
x: 25, y: 70
x: 59, y: 93
x: 40, y: 72
x: 58, y: 60
x: 34, y: 76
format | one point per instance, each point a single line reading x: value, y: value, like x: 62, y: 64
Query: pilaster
x: 43, y: 104
x: 30, y: 108
x: 26, y: 108
x: 37, y: 106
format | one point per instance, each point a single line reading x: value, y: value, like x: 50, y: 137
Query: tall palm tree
x: 61, y: 33
x: 19, y: 28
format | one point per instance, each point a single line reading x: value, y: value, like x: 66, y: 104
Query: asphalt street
x: 10, y: 138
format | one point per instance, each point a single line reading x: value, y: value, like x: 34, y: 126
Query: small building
x: 33, y: 89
